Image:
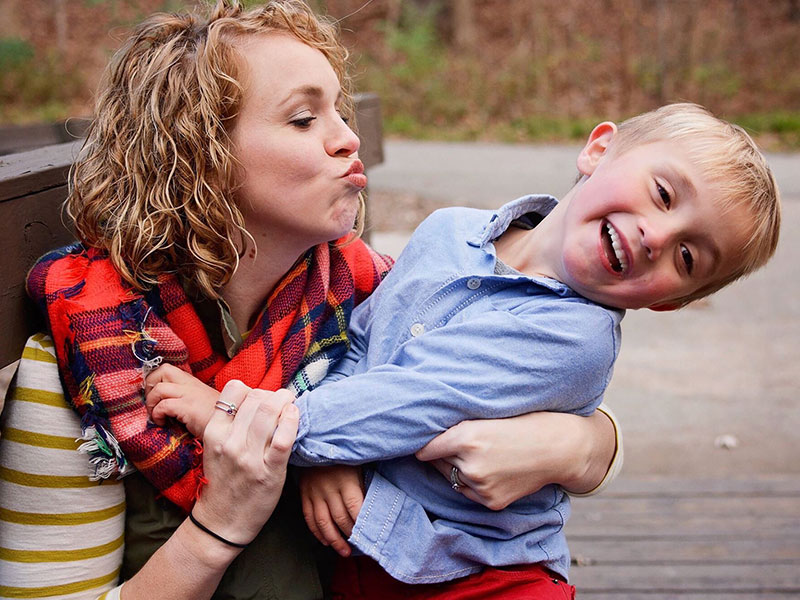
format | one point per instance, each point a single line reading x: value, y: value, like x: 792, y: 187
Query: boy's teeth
x: 617, y: 246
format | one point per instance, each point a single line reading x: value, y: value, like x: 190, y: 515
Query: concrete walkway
x: 709, y: 391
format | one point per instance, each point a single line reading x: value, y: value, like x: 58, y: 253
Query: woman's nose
x: 342, y: 140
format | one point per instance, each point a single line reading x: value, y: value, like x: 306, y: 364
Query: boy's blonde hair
x: 154, y: 183
x: 734, y: 165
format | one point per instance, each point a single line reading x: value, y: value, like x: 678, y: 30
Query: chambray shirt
x: 444, y: 339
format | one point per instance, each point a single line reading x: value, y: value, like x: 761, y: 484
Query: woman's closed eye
x: 302, y: 122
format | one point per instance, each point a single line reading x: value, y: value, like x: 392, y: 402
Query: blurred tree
x: 465, y: 34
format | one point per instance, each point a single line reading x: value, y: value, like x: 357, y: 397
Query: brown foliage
x: 517, y: 59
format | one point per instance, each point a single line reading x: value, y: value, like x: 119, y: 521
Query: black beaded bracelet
x: 214, y: 535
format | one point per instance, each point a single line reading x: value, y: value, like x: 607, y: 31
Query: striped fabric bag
x: 61, y: 535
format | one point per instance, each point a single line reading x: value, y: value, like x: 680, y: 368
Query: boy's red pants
x: 361, y: 578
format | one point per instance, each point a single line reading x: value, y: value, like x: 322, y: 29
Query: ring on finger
x: 455, y: 482
x: 227, y: 407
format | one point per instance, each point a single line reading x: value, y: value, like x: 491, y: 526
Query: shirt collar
x: 501, y: 219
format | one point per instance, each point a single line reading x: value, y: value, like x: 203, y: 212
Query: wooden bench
x: 33, y: 186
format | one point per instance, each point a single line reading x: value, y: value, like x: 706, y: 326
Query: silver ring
x: 226, y: 407
x: 455, y: 482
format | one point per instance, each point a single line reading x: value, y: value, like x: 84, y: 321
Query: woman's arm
x: 502, y: 460
x: 245, y: 464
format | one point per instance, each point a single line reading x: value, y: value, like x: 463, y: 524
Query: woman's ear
x: 596, y: 146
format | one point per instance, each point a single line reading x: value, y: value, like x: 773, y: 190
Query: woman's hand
x: 332, y: 497
x: 244, y: 461
x: 502, y: 460
x: 172, y: 392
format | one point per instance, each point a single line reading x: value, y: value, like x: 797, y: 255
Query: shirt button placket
x: 417, y: 329
x: 473, y: 283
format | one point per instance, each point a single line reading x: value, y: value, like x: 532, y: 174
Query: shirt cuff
x: 112, y: 594
x: 616, y: 463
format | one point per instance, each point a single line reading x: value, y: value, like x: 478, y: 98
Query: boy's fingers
x: 165, y: 372
x: 165, y: 409
x: 341, y: 515
x: 160, y: 391
x: 353, y: 499
x: 328, y: 528
x: 311, y: 520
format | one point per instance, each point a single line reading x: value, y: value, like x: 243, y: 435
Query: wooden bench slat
x: 683, y: 487
x: 30, y: 172
x: 709, y: 550
x: 602, y: 507
x: 675, y: 579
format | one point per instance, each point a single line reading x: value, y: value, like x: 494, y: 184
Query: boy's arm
x: 495, y: 365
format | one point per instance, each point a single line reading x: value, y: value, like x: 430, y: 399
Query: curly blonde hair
x: 153, y: 185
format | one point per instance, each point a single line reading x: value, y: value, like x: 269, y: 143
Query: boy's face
x: 645, y: 227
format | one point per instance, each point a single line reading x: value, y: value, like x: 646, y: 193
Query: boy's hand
x: 332, y: 497
x: 172, y: 392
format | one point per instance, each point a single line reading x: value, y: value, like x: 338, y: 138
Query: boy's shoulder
x: 457, y: 214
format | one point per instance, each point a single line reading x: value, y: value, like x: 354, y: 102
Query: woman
x: 215, y: 196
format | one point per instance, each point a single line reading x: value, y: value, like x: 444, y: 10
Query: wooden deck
x: 688, y: 539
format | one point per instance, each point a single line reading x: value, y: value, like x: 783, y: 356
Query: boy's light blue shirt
x: 444, y: 339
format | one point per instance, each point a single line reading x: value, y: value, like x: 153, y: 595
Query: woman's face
x: 300, y: 175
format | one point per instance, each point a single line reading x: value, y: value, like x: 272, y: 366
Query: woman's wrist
x: 196, y: 545
x: 594, y: 452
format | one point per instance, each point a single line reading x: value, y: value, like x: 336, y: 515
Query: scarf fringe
x: 105, y: 455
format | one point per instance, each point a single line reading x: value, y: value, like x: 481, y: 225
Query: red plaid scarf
x: 105, y: 332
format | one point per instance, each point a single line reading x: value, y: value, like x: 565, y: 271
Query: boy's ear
x: 596, y: 146
x: 665, y: 307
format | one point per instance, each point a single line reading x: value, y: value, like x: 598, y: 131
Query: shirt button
x: 417, y: 329
x: 473, y: 283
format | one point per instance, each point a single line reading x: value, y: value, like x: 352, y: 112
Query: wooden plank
x: 750, y: 548
x: 673, y: 527
x: 21, y: 138
x: 29, y: 227
x: 369, y: 128
x: 603, y: 508
x: 680, y: 579
x: 31, y: 172
x: 698, y: 487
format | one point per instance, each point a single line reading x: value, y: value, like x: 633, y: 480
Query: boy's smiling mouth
x: 612, y: 247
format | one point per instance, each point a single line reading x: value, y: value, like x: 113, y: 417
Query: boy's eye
x: 688, y: 259
x: 664, y: 195
x: 303, y: 123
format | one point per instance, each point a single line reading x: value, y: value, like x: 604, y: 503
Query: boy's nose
x: 655, y: 238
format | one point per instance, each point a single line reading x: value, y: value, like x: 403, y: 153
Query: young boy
x: 495, y: 314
